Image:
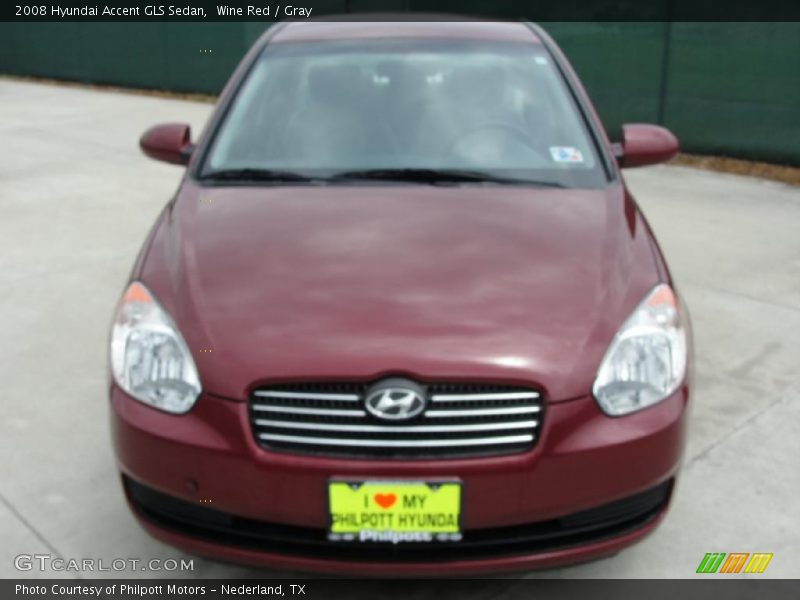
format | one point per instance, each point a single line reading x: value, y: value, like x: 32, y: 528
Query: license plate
x: 394, y: 511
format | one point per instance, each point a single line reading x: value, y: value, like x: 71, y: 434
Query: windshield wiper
x: 251, y: 174
x: 436, y: 176
x: 431, y: 176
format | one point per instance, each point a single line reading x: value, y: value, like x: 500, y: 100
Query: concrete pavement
x: 77, y: 198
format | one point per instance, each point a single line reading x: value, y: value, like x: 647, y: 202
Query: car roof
x: 354, y: 27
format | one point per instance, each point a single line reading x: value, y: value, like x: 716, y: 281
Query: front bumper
x: 612, y: 475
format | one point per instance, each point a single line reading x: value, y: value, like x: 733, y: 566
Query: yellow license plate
x: 394, y: 511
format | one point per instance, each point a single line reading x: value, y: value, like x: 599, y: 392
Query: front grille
x: 576, y: 529
x: 460, y: 420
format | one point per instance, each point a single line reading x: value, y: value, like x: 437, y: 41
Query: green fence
x: 724, y: 88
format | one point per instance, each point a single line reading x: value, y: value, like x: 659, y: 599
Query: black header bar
x: 276, y: 10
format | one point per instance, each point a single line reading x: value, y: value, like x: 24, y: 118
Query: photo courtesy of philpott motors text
x: 167, y: 589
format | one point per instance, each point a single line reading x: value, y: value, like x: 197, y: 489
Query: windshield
x: 406, y: 109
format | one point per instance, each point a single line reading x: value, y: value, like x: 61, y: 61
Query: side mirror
x: 645, y: 145
x: 170, y: 143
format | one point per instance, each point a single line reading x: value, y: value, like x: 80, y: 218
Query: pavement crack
x: 730, y: 433
x: 39, y: 536
x: 742, y: 295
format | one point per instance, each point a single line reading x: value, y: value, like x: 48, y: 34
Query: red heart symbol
x: 385, y: 500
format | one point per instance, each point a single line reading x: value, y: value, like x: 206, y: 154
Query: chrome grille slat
x: 481, y: 412
x: 322, y: 441
x: 502, y: 426
x: 484, y: 397
x: 460, y: 420
x: 309, y: 396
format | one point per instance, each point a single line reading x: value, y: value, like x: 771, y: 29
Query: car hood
x: 497, y: 283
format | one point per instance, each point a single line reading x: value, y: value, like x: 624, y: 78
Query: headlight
x: 646, y: 360
x: 149, y: 358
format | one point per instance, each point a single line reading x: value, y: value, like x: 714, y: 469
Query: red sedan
x: 402, y: 315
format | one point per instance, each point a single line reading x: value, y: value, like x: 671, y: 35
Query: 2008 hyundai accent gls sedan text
x: 402, y: 315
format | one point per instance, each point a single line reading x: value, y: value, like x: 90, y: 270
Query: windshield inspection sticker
x: 566, y: 154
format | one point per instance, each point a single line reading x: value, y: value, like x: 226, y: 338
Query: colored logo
x: 735, y: 562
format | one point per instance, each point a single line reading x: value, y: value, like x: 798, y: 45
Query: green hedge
x: 724, y: 88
